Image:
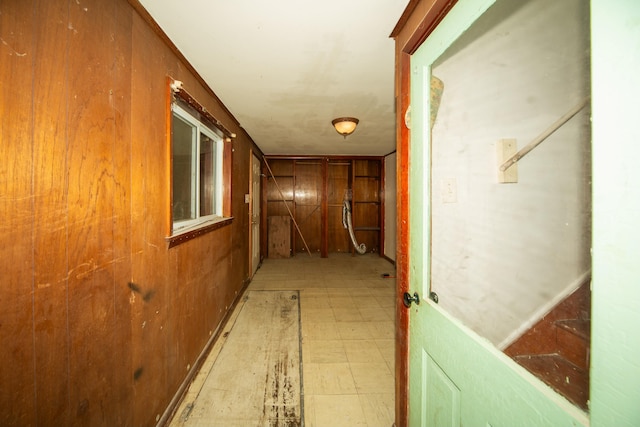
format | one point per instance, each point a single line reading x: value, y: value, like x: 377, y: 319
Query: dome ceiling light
x: 345, y: 125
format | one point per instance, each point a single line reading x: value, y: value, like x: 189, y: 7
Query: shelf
x: 314, y: 190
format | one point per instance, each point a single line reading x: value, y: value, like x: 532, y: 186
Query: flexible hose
x: 346, y: 223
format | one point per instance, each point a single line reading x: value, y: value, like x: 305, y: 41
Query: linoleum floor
x: 347, y: 335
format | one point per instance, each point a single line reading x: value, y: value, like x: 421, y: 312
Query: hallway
x: 347, y: 342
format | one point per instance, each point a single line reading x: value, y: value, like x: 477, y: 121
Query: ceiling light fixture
x: 345, y: 125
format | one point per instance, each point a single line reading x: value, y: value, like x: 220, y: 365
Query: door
x: 255, y: 213
x: 457, y: 375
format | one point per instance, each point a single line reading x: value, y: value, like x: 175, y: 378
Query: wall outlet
x: 246, y: 198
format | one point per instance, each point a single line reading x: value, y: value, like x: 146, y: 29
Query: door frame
x: 615, y: 205
x: 422, y: 27
x: 253, y: 157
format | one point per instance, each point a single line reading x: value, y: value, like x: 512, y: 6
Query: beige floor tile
x: 310, y: 302
x: 329, y: 378
x: 348, y: 330
x: 386, y: 301
x: 387, y: 348
x: 378, y: 409
x: 347, y: 315
x: 378, y: 314
x: 372, y: 377
x: 338, y: 411
x: 320, y: 330
x: 385, y: 292
x: 313, y: 292
x: 318, y: 315
x: 354, y: 330
x: 309, y: 379
x: 338, y: 290
x: 363, y: 351
x: 309, y: 410
x: 382, y: 330
x: 325, y: 351
x: 342, y: 302
x: 366, y: 300
x: 307, y: 283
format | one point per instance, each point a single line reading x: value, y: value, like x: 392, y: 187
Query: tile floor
x: 347, y: 317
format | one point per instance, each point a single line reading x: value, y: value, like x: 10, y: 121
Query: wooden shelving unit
x: 314, y: 189
x: 367, y: 202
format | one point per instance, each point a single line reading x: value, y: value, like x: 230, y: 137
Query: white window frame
x: 179, y: 226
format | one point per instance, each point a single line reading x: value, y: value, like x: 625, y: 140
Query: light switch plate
x: 449, y: 190
x: 505, y: 148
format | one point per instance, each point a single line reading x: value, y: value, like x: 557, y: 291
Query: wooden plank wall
x: 339, y: 179
x: 307, y: 198
x: 100, y: 322
x: 314, y: 189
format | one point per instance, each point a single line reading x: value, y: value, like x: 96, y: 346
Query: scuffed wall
x: 100, y: 321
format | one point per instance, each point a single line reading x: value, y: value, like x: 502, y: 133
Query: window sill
x: 197, y: 230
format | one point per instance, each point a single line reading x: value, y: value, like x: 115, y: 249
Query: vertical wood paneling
x: 100, y: 320
x: 50, y: 211
x: 140, y: 287
x: 16, y: 210
x: 308, y: 191
x: 338, y: 182
x: 338, y: 236
x: 151, y: 307
x: 91, y: 213
x: 319, y: 187
x: 324, y: 218
x: 121, y: 102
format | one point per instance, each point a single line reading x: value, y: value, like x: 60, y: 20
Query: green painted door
x: 457, y: 377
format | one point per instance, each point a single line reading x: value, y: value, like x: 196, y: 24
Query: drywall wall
x: 502, y: 253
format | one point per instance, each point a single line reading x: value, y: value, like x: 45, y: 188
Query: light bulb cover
x: 345, y: 125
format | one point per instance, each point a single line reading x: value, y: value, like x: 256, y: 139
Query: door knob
x: 408, y: 299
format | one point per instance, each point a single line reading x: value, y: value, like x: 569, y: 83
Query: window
x: 197, y: 171
x: 200, y: 157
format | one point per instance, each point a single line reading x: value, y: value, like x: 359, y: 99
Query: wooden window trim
x: 175, y: 91
x: 198, y: 230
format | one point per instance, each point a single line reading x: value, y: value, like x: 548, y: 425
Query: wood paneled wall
x: 314, y: 189
x: 100, y: 321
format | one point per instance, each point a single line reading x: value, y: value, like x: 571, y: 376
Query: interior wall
x: 390, y: 206
x: 100, y: 321
x: 309, y: 191
x: 504, y: 252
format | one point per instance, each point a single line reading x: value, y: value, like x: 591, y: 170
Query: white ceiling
x: 286, y: 68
